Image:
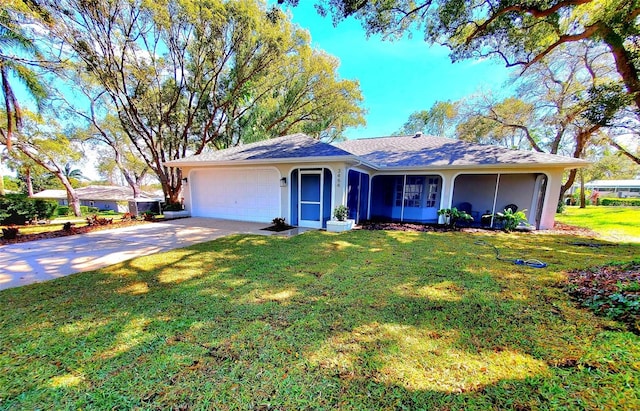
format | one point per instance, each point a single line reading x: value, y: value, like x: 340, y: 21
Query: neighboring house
x: 58, y: 195
x: 398, y: 178
x: 114, y: 198
x: 614, y: 188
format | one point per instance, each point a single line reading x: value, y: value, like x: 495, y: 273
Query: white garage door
x: 236, y: 194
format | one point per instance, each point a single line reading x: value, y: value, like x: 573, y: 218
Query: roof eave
x: 564, y: 166
x: 269, y: 161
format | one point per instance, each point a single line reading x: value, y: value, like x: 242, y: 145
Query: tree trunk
x: 72, y: 197
x: 624, y: 62
x: 133, y: 183
x: 567, y: 185
x: 74, y: 201
x: 583, y: 200
x: 29, y: 182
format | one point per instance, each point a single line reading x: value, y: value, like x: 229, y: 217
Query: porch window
x: 413, y: 192
x: 432, y: 190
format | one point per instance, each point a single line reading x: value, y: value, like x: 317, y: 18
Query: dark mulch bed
x: 612, y: 290
x: 382, y: 225
x: 22, y: 238
x: 558, y: 228
x: 278, y: 228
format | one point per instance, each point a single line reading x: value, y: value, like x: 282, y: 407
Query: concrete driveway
x: 42, y: 260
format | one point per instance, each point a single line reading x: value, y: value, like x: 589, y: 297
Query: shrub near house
x: 624, y: 202
x: 18, y: 209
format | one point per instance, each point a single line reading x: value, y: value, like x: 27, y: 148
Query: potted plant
x: 340, y: 222
x: 512, y: 220
x: 452, y: 216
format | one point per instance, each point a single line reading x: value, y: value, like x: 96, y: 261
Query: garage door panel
x: 236, y: 194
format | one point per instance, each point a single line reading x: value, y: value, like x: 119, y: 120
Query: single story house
x: 116, y: 198
x: 406, y: 178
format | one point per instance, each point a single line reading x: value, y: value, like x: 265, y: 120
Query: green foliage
x: 93, y: 210
x: 524, y: 34
x: 518, y: 33
x: 606, y: 100
x: 612, y: 291
x: 341, y: 213
x: 279, y: 222
x: 511, y: 220
x: 246, y: 74
x: 173, y: 207
x: 20, y: 52
x: 18, y: 209
x: 438, y: 120
x: 620, y: 202
x: 84, y: 210
x: 11, y: 183
x: 63, y: 210
x: 453, y: 216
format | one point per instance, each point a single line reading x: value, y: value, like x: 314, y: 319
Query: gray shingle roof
x: 381, y: 153
x: 428, y: 151
x: 294, y: 146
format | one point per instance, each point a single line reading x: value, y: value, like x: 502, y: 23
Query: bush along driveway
x: 355, y: 321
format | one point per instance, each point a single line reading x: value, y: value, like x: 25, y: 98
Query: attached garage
x: 245, y: 194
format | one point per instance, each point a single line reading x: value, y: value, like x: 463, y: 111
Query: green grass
x: 356, y: 321
x: 613, y: 223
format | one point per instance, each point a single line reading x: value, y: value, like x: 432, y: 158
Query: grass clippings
x: 611, y: 290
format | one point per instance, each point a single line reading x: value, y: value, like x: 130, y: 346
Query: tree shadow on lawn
x: 358, y: 320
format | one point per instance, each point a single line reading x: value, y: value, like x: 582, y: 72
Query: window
x: 413, y: 191
x: 432, y: 191
x: 419, y: 191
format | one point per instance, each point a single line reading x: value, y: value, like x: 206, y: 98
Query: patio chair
x: 513, y: 207
x: 467, y: 208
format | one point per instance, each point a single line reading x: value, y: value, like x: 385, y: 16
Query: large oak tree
x: 520, y: 33
x: 185, y: 76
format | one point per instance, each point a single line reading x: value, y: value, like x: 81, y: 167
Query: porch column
x: 551, y: 198
x: 446, y: 195
x: 495, y: 199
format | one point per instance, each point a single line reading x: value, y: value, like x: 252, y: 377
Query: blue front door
x: 310, y: 200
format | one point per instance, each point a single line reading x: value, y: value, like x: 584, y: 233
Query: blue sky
x: 396, y: 78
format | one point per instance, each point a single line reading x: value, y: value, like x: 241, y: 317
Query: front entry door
x: 310, y: 203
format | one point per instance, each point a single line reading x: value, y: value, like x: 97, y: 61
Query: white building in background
x: 614, y: 188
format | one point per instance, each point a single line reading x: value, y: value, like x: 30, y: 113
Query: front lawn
x: 361, y: 320
x: 613, y: 223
